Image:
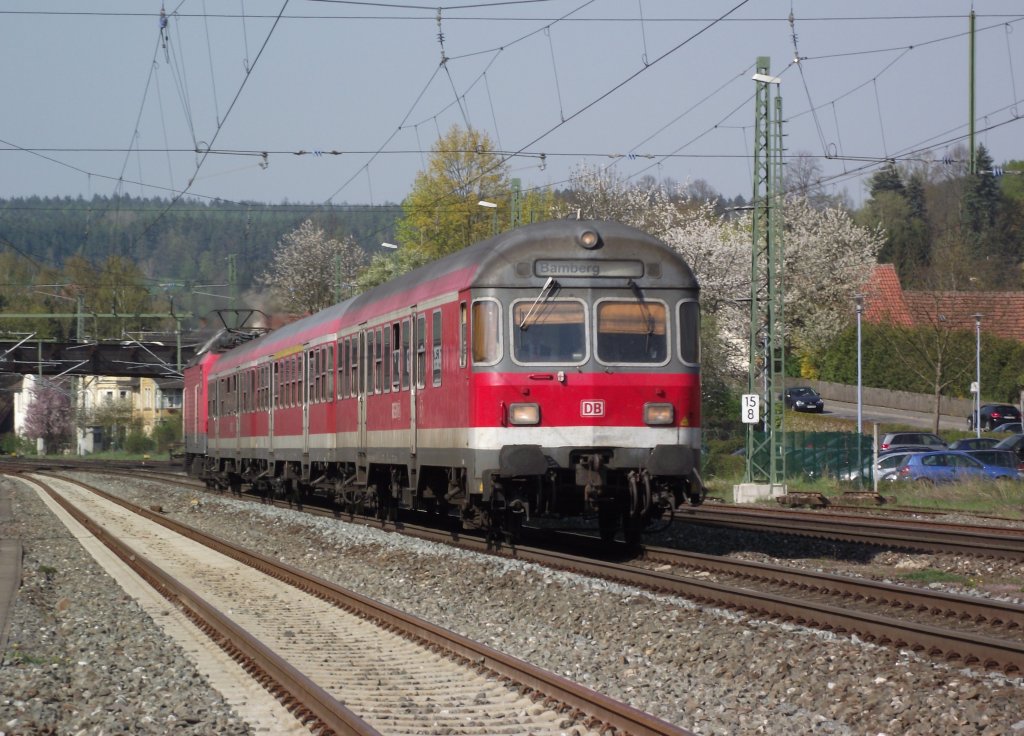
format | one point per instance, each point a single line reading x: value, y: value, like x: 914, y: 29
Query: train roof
x: 496, y: 262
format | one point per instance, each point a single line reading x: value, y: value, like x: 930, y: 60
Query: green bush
x: 12, y: 444
x: 166, y: 433
x: 137, y: 442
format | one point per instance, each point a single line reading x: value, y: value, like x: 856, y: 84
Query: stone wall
x: 904, y: 400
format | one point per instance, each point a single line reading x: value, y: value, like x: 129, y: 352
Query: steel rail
x: 601, y: 710
x: 978, y: 541
x: 971, y: 649
x: 307, y: 701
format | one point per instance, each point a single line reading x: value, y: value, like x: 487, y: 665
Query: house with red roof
x: 885, y: 301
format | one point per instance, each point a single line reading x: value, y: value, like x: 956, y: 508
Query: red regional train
x: 550, y: 371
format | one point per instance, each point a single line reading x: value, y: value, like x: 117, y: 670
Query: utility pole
x: 515, y: 216
x: 766, y: 460
x: 973, y: 169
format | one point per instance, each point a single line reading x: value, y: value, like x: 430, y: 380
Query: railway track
x: 911, y: 534
x: 340, y: 662
x: 970, y: 630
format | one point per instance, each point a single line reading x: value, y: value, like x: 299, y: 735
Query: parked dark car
x: 803, y: 398
x: 974, y: 443
x: 1014, y: 442
x: 1002, y: 458
x: 950, y: 466
x: 900, y: 440
x: 992, y: 415
x: 1014, y: 427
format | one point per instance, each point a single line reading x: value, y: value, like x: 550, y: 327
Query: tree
x: 827, y: 255
x: 827, y: 258
x: 113, y: 417
x: 310, y: 271
x: 116, y: 287
x: 50, y: 416
x: 936, y: 351
x: 442, y: 213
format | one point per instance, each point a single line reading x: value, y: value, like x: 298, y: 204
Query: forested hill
x: 189, y: 242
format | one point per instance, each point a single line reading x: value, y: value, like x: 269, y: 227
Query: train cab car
x: 549, y: 371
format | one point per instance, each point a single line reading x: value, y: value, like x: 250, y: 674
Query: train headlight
x: 524, y: 414
x: 589, y: 239
x: 659, y: 414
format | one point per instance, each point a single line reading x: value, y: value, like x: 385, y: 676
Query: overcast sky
x: 346, y: 98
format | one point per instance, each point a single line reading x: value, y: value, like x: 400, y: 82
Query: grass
x: 930, y: 575
x: 1003, y: 498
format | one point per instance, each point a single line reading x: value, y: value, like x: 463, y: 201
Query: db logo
x: 592, y: 408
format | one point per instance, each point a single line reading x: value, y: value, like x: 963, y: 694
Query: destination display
x: 584, y: 268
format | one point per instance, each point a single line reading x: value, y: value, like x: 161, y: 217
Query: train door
x: 272, y: 394
x: 408, y: 341
x: 307, y: 389
x: 199, y: 432
x: 364, y: 366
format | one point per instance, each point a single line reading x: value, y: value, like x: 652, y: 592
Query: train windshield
x: 555, y: 331
x: 631, y: 332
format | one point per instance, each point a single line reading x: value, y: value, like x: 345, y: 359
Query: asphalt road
x: 884, y: 414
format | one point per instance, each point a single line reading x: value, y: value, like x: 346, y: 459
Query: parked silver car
x: 885, y: 468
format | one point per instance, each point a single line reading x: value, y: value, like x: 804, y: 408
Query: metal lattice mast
x: 766, y: 461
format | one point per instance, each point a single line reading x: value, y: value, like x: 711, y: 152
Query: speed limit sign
x: 750, y: 412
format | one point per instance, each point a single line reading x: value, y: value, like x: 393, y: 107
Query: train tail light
x: 659, y: 414
x: 524, y: 414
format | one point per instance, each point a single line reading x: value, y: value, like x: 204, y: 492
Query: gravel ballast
x: 708, y: 670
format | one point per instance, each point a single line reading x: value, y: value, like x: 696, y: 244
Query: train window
x: 421, y: 350
x: 313, y: 375
x: 549, y: 332
x: 689, y: 332
x: 353, y: 366
x: 631, y: 332
x: 374, y: 356
x: 321, y: 373
x: 362, y: 363
x: 378, y: 363
x: 286, y: 382
x: 293, y: 383
x: 370, y: 363
x: 300, y: 372
x: 277, y: 384
x: 385, y: 362
x: 463, y: 333
x: 396, y: 356
x: 329, y: 389
x: 406, y: 353
x: 436, y: 354
x: 343, y: 368
x: 486, y: 332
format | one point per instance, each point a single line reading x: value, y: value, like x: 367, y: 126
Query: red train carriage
x: 551, y: 370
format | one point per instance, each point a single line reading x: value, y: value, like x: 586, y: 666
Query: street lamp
x: 977, y: 375
x: 493, y: 206
x: 392, y: 246
x: 859, y: 300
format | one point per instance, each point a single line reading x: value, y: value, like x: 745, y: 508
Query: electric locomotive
x: 550, y: 371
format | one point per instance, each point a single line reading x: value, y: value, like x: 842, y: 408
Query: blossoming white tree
x: 827, y: 256
x: 308, y: 266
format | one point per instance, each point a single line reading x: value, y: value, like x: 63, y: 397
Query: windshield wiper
x: 648, y: 317
x: 549, y: 284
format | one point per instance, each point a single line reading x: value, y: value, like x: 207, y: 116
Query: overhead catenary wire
x: 837, y: 113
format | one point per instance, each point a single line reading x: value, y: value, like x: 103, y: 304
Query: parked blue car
x: 949, y: 466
